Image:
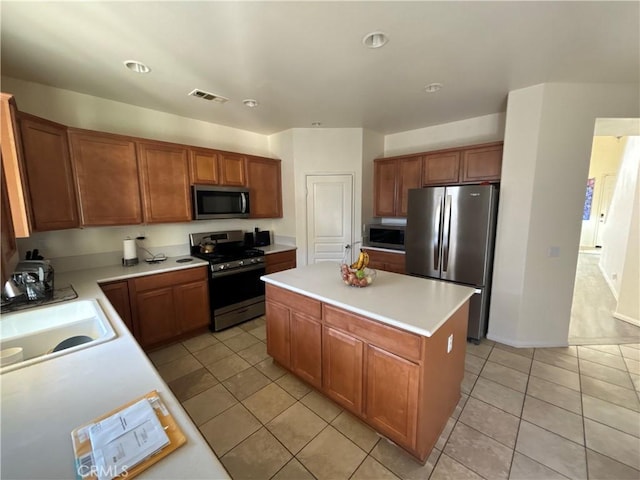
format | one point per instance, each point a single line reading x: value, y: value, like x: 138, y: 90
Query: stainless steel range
x: 236, y: 293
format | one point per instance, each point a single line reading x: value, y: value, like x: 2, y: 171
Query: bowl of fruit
x: 358, y: 274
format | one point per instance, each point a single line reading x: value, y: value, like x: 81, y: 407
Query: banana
x: 359, y: 263
x: 366, y: 260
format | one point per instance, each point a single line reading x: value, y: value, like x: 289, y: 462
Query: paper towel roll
x: 129, y: 249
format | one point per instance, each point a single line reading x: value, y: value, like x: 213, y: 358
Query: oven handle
x: 226, y: 273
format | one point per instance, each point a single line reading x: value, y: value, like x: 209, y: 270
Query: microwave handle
x: 243, y: 202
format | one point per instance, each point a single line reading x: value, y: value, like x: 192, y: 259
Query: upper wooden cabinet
x: 393, y: 178
x: 49, y: 175
x: 475, y: 164
x: 232, y: 169
x: 8, y: 245
x: 481, y: 164
x: 164, y: 181
x: 13, y: 165
x: 204, y: 166
x: 106, y: 177
x: 441, y: 168
x: 265, y: 187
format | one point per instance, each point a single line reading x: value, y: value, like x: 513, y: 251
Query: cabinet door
x: 278, y: 331
x: 118, y: 294
x: 384, y: 188
x: 441, y: 168
x: 192, y: 306
x: 204, y: 166
x: 164, y: 176
x: 107, y: 178
x: 482, y: 164
x: 265, y: 187
x: 342, y: 368
x: 232, y: 169
x: 390, y: 262
x: 155, y: 316
x: 276, y: 262
x: 409, y: 176
x: 49, y: 176
x: 306, y: 349
x: 9, y: 248
x: 392, y: 395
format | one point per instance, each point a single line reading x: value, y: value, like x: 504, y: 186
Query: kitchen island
x: 391, y: 353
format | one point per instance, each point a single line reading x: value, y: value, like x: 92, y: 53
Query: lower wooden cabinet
x: 276, y: 262
x: 403, y: 384
x: 387, y: 261
x: 163, y: 307
x: 342, y: 366
x: 118, y: 294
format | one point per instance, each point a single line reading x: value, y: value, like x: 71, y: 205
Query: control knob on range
x: 241, y: 263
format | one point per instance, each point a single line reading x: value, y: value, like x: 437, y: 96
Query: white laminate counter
x: 415, y: 304
x: 277, y: 248
x: 44, y: 402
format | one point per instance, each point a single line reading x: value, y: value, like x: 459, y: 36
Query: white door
x: 608, y: 184
x: 329, y: 217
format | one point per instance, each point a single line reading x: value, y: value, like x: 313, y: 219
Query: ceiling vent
x: 208, y: 96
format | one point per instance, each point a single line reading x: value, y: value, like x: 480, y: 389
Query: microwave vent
x: 208, y: 96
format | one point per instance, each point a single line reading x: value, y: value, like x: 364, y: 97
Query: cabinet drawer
x: 405, y: 344
x: 169, y: 279
x: 296, y: 302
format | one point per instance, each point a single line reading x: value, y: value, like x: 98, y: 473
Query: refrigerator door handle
x: 437, y: 237
x: 446, y: 233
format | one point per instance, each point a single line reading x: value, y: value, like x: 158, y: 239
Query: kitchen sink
x: 40, y: 331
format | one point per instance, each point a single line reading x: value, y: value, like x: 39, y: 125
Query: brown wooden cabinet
x: 342, y: 368
x: 481, y: 164
x: 403, y: 384
x: 387, y: 261
x: 276, y: 262
x: 393, y: 178
x: 118, y: 295
x: 306, y: 348
x: 204, y: 166
x: 8, y: 244
x: 164, y: 180
x: 264, y: 180
x: 49, y: 174
x: 441, y: 168
x: 107, y: 178
x: 232, y: 169
x: 168, y: 306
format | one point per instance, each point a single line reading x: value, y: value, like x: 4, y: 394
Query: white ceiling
x: 304, y: 61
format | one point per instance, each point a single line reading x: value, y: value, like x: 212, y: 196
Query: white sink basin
x: 40, y: 330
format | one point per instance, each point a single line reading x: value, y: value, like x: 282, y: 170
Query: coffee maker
x: 32, y: 280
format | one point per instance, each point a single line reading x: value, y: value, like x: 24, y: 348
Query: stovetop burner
x: 230, y: 252
x: 229, y: 256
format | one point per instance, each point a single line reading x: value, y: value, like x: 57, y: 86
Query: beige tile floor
x: 524, y: 414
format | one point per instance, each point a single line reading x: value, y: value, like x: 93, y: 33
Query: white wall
x: 619, y: 259
x: 488, y: 128
x: 606, y: 154
x: 78, y: 248
x: 552, y: 126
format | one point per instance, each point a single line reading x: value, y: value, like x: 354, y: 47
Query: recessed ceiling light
x: 432, y: 87
x: 316, y: 124
x: 136, y: 66
x: 250, y: 102
x: 375, y: 39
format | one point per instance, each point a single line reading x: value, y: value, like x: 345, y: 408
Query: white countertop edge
x: 381, y: 249
x: 276, y: 248
x: 366, y: 313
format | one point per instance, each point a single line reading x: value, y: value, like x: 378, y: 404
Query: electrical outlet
x: 450, y: 343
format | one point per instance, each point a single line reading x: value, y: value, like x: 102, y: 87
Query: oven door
x: 236, y: 296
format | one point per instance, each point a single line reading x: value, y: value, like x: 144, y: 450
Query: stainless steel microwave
x: 385, y: 236
x: 211, y: 202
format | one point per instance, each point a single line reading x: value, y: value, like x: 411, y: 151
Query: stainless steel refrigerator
x: 450, y: 236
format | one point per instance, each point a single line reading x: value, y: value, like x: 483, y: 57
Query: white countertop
x: 276, y: 248
x: 415, y: 304
x: 44, y: 402
x: 380, y: 249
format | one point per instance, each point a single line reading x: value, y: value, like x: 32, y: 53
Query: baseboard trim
x: 626, y: 318
x: 526, y: 344
x: 610, y: 283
